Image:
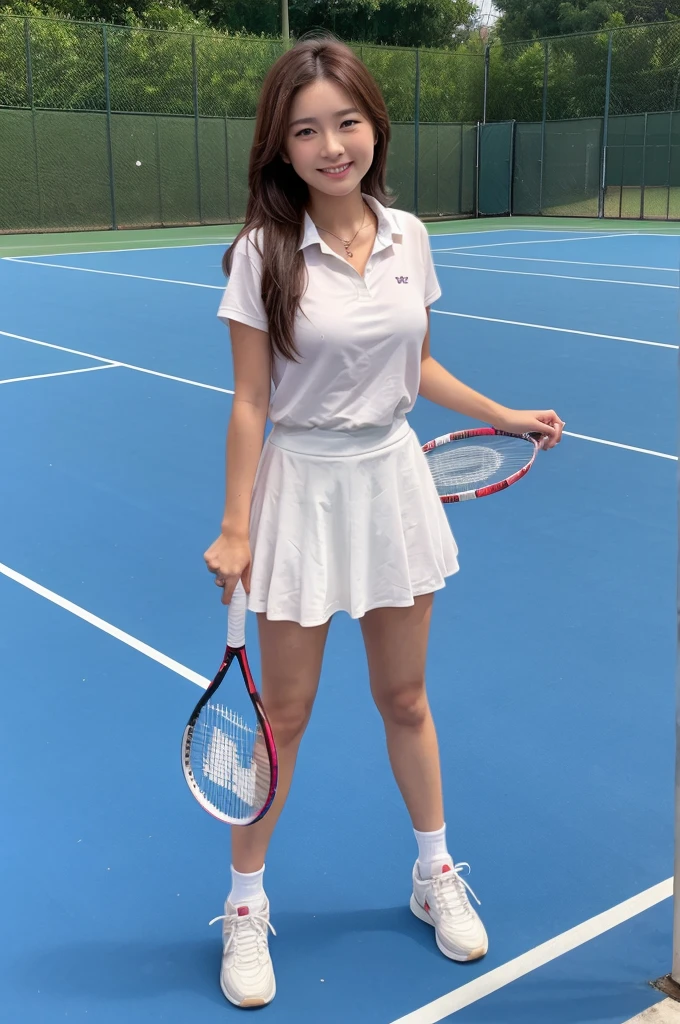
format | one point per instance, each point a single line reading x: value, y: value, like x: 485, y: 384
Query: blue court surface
x: 551, y: 667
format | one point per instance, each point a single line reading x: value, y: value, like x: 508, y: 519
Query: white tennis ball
x: 138, y: 163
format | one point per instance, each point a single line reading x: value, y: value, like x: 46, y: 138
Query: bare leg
x: 291, y: 658
x: 396, y: 647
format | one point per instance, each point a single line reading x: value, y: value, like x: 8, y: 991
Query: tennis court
x: 551, y: 667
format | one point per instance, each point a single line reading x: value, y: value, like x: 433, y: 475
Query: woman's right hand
x: 229, y: 559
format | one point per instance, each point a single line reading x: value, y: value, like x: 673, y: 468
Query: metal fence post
x: 477, y: 156
x: 226, y: 163
x: 416, y: 133
x: 544, y: 116
x: 194, y: 70
x: 486, y: 81
x: 461, y: 166
x: 109, y: 139
x: 605, y: 130
x: 31, y: 103
x: 668, y: 164
x: 29, y: 61
x: 511, y: 170
x: 644, y: 170
x: 159, y: 168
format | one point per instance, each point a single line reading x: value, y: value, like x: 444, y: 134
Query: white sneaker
x: 442, y: 901
x: 247, y: 973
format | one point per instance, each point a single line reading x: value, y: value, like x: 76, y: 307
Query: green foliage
x: 153, y: 71
x: 521, y: 20
x: 645, y: 74
x: 386, y: 22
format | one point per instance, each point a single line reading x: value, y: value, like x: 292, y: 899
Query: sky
x: 487, y: 10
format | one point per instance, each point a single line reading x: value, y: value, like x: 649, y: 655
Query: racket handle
x: 236, y: 628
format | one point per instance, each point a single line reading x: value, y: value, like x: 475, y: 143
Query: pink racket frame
x: 501, y: 485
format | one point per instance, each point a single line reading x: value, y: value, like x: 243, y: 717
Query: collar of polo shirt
x: 389, y: 228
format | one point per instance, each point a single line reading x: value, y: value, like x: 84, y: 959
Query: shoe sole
x: 423, y: 915
x: 250, y: 1002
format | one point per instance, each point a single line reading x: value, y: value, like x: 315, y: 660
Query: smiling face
x: 330, y: 142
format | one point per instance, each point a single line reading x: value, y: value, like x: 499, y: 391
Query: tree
x: 522, y: 20
x: 171, y: 14
x: 430, y: 23
x: 80, y: 10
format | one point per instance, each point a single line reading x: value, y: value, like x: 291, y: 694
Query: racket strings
x: 230, y: 761
x: 477, y: 461
x: 466, y: 466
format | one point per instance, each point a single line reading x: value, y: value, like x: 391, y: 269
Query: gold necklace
x: 345, y: 242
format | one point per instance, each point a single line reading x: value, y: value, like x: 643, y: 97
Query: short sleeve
x: 242, y: 299
x: 432, y: 287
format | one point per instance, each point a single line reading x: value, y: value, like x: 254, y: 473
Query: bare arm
x: 441, y: 387
x: 229, y: 556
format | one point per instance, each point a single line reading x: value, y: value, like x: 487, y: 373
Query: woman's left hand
x: 529, y: 421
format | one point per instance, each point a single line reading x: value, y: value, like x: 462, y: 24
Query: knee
x: 288, y: 719
x: 404, y: 706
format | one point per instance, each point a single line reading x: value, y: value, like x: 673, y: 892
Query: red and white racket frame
x: 500, y: 485
x: 236, y: 649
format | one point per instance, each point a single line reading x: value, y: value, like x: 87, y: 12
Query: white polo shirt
x: 359, y: 338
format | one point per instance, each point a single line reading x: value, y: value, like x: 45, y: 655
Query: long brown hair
x: 277, y: 196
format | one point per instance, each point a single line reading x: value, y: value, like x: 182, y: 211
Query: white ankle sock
x: 247, y: 889
x: 431, y: 847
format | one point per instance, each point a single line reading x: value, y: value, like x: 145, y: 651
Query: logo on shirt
x: 401, y: 280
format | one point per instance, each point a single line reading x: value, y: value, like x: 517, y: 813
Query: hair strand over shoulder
x: 277, y: 196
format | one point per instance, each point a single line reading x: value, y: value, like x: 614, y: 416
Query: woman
x: 328, y: 298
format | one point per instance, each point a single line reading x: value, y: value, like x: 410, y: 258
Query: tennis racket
x: 476, y: 463
x: 228, y: 752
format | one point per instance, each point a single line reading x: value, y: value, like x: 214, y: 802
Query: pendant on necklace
x: 347, y: 252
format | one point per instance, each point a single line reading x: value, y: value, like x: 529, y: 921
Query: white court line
x: 571, y: 263
x: 562, y: 277
x: 541, y: 955
x: 106, y: 627
x: 212, y: 387
x: 112, y: 273
x: 203, y: 245
x: 467, y: 994
x: 560, y: 330
x: 433, y: 235
x: 223, y: 241
x: 616, y: 444
x: 115, y: 362
x: 445, y: 266
x: 596, y: 233
x: 219, y: 287
x: 59, y: 373
x: 541, y: 241
x: 93, y: 252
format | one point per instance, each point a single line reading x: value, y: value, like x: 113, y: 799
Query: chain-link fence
x: 592, y: 125
x: 106, y: 126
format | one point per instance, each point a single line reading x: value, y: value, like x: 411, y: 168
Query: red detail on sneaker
x: 243, y: 911
x: 445, y: 868
x: 426, y: 907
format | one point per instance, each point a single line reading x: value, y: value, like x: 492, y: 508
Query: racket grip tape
x: 236, y: 628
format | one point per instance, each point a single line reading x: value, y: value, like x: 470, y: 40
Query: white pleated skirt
x: 345, y: 522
